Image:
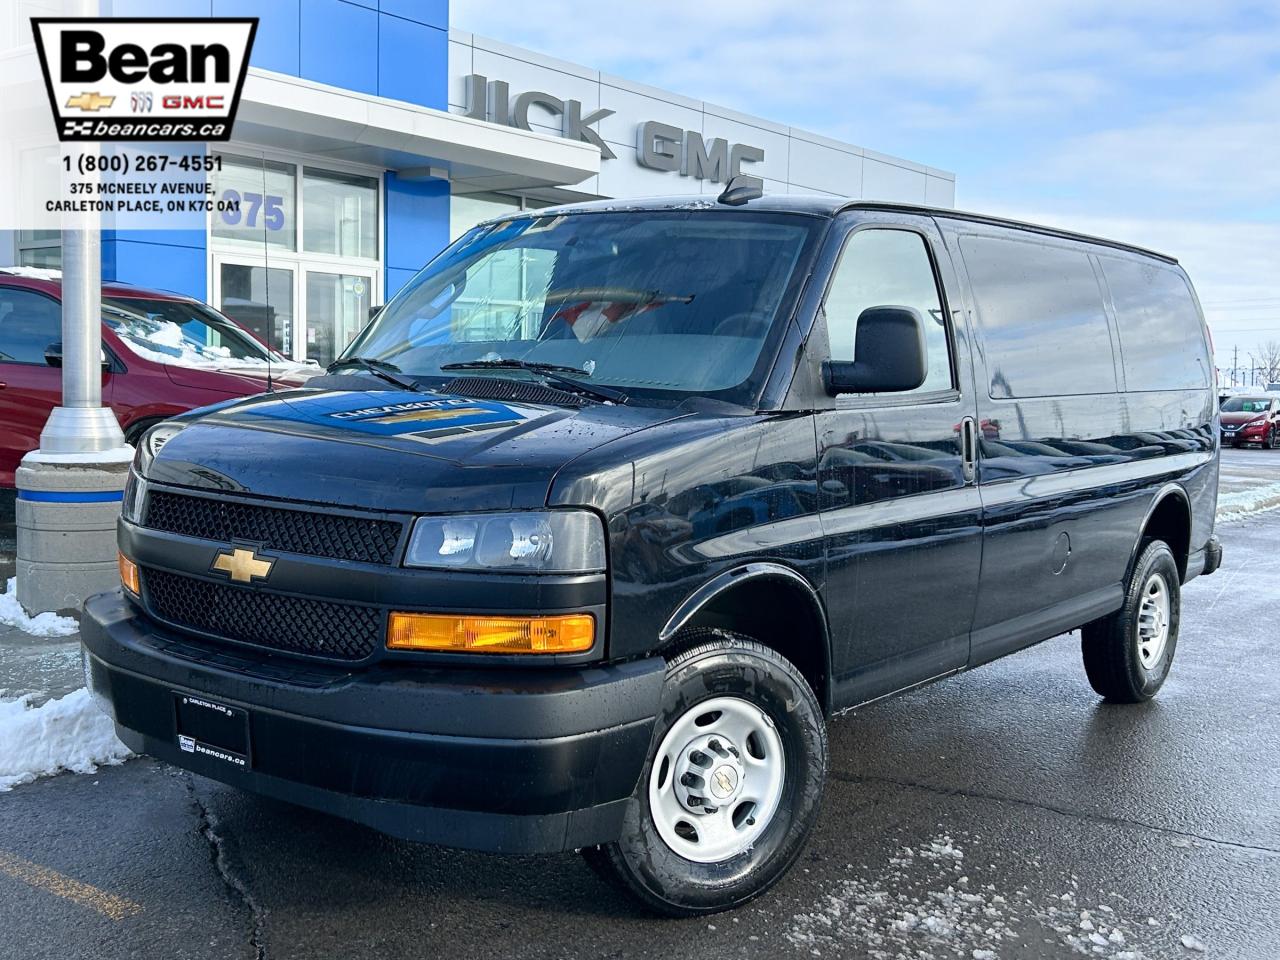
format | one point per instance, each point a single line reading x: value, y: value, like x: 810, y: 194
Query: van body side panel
x: 711, y: 494
x: 1070, y: 464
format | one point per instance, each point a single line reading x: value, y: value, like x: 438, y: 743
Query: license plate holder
x: 211, y: 729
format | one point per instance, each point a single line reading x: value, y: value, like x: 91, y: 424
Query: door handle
x: 969, y: 447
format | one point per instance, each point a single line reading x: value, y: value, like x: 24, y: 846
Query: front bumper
x: 505, y: 760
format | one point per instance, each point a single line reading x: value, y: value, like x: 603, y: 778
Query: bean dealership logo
x: 120, y: 79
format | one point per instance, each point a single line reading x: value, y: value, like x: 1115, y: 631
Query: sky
x: 1153, y: 122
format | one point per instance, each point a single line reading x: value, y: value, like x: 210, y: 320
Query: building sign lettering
x: 659, y: 146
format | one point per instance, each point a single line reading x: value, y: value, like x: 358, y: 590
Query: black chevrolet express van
x: 596, y: 523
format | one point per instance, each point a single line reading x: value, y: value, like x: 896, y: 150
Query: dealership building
x: 371, y: 133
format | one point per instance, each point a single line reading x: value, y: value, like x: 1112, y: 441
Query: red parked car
x: 163, y: 354
x: 1253, y: 419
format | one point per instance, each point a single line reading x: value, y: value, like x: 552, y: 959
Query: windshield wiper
x: 378, y: 368
x: 550, y: 371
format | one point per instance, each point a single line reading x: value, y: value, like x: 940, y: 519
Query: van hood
x: 390, y: 450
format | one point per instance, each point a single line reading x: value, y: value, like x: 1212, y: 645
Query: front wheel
x: 732, y: 785
x: 1127, y: 655
x: 1270, y: 442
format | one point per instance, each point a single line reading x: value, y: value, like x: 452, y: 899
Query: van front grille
x: 334, y: 536
x: 316, y: 628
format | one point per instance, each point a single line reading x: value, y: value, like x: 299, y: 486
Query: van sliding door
x: 1061, y: 503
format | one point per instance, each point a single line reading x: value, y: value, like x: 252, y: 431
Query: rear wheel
x: 732, y: 785
x: 1127, y: 655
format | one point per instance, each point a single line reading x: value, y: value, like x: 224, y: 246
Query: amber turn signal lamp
x: 574, y: 633
x: 129, y: 575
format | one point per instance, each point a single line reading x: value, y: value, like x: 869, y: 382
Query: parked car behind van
x: 163, y: 354
x: 613, y: 506
x: 1251, y: 419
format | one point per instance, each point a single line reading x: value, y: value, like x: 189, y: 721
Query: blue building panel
x: 434, y: 13
x: 276, y: 45
x: 340, y: 45
x: 417, y: 226
x: 164, y: 259
x: 413, y: 62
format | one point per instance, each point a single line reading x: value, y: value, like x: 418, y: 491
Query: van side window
x: 885, y: 267
x: 1044, y: 324
x: 29, y: 323
x: 1161, y: 337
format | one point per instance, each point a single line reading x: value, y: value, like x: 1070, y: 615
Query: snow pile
x: 1244, y: 503
x: 41, y: 625
x: 926, y: 904
x: 70, y: 733
x: 36, y: 273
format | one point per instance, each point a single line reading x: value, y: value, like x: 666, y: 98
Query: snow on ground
x: 70, y: 733
x: 928, y: 903
x: 1235, y: 504
x: 41, y: 625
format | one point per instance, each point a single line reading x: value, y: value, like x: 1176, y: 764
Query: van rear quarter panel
x: 1068, y: 480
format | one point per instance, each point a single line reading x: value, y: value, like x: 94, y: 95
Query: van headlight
x: 549, y: 541
x: 135, y: 496
x: 150, y: 444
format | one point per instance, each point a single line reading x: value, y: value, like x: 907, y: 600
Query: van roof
x: 829, y: 206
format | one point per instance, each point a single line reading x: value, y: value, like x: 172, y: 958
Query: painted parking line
x: 51, y: 881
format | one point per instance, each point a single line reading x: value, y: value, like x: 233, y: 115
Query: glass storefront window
x: 260, y: 299
x: 339, y: 214
x: 468, y: 209
x: 337, y: 307
x: 266, y: 191
x: 40, y: 248
x: 309, y: 288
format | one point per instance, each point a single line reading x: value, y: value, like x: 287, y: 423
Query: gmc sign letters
x: 659, y: 146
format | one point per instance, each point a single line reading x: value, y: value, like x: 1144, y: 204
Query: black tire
x: 1270, y: 442
x: 1110, y: 646
x: 716, y: 663
x: 136, y: 429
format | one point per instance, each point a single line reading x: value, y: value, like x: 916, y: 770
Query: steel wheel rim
x: 727, y: 753
x: 1153, y: 621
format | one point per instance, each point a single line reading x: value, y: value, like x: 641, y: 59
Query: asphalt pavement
x: 1005, y: 813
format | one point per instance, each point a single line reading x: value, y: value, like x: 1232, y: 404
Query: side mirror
x: 374, y: 311
x: 53, y: 356
x: 890, y: 349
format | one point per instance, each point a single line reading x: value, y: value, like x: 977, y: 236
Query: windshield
x: 1246, y: 405
x: 184, y: 332
x: 654, y: 303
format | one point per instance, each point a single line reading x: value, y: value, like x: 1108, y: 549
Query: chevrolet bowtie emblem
x: 242, y: 566
x: 91, y: 101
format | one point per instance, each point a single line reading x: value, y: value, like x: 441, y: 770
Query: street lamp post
x: 70, y: 489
